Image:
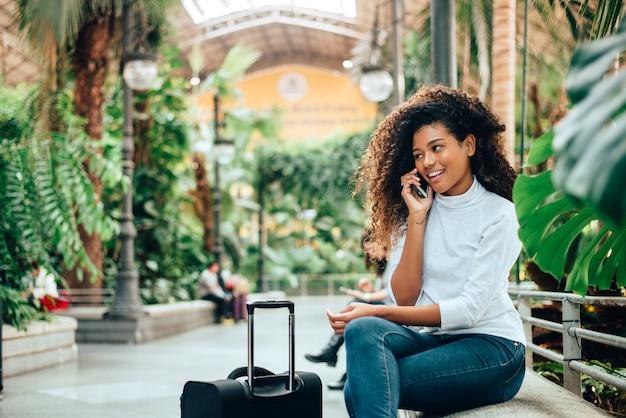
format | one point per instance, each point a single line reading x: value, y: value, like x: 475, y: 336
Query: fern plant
x: 45, y: 194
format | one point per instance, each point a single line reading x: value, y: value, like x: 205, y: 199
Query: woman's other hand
x: 338, y: 321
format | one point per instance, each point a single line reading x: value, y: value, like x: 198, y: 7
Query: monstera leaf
x: 573, y: 219
x: 590, y: 142
x: 565, y: 236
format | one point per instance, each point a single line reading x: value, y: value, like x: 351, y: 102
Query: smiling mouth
x: 435, y: 174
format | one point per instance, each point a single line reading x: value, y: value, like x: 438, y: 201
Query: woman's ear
x: 469, y: 143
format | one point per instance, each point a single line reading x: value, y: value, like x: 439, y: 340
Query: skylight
x: 202, y: 10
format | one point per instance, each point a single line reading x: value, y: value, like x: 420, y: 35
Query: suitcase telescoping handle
x: 271, y: 304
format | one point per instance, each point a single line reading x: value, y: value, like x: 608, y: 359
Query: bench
x: 88, y: 296
x: 538, y: 398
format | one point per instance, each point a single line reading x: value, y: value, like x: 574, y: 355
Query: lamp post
x: 260, y: 282
x: 223, y: 151
x: 375, y: 83
x: 140, y: 71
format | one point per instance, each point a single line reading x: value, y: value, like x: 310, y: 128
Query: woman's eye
x: 417, y: 156
x: 437, y: 147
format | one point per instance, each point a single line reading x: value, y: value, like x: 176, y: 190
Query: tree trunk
x: 90, y: 65
x: 503, y: 71
x: 203, y: 203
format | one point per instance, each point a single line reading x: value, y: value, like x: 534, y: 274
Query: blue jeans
x: 391, y: 367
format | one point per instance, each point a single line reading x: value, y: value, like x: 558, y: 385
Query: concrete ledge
x: 158, y: 321
x: 538, y: 398
x: 43, y: 344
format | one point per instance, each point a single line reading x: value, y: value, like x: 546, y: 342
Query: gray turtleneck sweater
x: 470, y: 245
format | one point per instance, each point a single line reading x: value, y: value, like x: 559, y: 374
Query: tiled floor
x: 146, y: 380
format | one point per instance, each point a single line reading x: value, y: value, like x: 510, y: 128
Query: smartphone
x: 422, y: 189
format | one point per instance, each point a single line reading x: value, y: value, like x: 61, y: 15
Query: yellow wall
x: 314, y: 103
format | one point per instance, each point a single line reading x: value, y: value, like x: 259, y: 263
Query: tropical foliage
x: 316, y: 225
x: 49, y: 173
x: 564, y: 236
x: 167, y: 245
x: 77, y: 42
x: 572, y: 218
x: 169, y: 250
x: 590, y: 145
x: 46, y: 194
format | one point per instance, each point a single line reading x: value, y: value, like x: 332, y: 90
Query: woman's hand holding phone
x: 422, y: 189
x: 416, y: 192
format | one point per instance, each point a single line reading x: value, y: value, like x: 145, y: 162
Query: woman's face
x: 442, y: 160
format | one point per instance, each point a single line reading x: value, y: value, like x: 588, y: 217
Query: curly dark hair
x: 389, y: 155
x: 373, y: 256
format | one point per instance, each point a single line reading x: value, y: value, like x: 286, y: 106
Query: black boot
x: 329, y: 353
x: 338, y: 385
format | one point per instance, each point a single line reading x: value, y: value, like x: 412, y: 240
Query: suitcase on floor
x: 251, y: 391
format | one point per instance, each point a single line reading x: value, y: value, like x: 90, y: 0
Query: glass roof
x: 202, y: 10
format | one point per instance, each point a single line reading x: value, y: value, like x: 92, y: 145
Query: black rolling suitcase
x: 262, y: 393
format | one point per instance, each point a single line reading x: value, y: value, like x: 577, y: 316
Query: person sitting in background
x: 43, y: 292
x: 367, y: 292
x: 210, y: 289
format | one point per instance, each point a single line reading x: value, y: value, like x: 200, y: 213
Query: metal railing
x: 572, y: 332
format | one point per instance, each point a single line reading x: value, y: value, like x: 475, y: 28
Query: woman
x: 454, y: 341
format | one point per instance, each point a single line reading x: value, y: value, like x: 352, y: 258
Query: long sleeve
x: 470, y: 245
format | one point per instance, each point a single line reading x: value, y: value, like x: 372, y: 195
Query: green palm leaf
x: 236, y: 63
